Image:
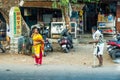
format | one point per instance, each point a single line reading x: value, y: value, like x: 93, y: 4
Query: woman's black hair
x: 34, y: 29
x: 94, y: 28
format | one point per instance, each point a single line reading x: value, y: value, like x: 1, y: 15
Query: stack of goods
x: 99, y: 17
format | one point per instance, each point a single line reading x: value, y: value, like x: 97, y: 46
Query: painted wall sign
x: 15, y: 21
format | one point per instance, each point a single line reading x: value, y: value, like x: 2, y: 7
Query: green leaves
x: 74, y: 1
x: 54, y: 4
x: 91, y: 0
x: 64, y: 2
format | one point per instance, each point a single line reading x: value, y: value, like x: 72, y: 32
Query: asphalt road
x: 58, y: 72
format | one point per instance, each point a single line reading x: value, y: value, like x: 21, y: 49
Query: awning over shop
x: 41, y: 4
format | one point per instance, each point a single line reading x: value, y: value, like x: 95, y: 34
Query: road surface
x: 58, y: 72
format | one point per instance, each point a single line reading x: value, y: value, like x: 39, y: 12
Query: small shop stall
x: 106, y: 22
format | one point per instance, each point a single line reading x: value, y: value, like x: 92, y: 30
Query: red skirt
x: 38, y: 60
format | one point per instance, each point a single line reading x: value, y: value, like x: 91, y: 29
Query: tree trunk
x: 67, y: 18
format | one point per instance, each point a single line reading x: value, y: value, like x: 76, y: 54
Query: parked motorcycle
x: 48, y: 45
x: 114, y: 48
x: 111, y: 46
x: 65, y: 41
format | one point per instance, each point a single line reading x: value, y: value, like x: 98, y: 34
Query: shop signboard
x: 15, y: 21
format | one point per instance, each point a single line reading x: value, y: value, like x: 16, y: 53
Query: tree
x: 64, y: 7
x: 91, y: 0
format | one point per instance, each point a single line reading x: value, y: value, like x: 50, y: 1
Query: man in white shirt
x: 99, y: 45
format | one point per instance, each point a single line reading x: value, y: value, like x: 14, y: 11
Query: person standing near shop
x: 98, y: 45
x: 38, y: 46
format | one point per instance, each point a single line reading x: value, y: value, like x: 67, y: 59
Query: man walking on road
x: 98, y: 45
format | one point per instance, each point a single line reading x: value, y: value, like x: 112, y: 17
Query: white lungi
x: 99, y: 49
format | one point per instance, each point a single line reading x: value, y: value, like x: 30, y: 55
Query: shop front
x: 3, y: 25
x: 35, y: 15
x: 85, y: 16
x: 40, y: 13
x: 98, y: 15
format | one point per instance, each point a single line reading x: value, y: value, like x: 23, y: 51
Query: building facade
x: 5, y: 6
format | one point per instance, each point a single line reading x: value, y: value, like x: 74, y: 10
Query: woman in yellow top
x: 38, y: 45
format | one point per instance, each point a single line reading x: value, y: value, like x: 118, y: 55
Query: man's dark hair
x: 94, y: 28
